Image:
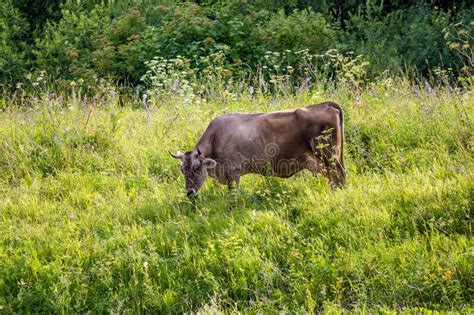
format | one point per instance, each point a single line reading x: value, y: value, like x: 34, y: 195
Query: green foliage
x: 187, y: 31
x: 284, y: 73
x: 85, y: 41
x: 403, y: 40
x: 103, y: 41
x: 38, y: 12
x: 66, y: 50
x: 94, y: 217
x: 14, y: 50
x: 299, y: 30
x: 459, y: 37
x: 424, y: 39
x: 170, y: 77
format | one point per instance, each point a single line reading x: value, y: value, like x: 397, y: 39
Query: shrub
x: 104, y: 41
x: 14, y: 51
x: 403, y: 40
x: 304, y: 29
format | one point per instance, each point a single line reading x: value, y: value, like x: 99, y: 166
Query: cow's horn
x: 178, y: 154
x: 198, y: 152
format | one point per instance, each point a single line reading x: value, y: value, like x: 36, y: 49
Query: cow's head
x: 194, y: 167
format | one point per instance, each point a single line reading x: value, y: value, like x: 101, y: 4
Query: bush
x: 14, y: 51
x: 423, y: 40
x: 104, y: 41
x: 409, y: 39
x: 300, y: 30
x: 88, y: 40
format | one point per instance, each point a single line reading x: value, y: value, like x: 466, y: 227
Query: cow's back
x: 257, y: 136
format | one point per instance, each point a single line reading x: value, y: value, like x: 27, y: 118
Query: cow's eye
x: 196, y: 166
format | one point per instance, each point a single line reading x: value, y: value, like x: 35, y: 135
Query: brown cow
x: 279, y: 143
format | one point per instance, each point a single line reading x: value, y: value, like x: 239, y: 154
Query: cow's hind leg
x: 317, y: 166
x: 314, y: 165
x: 325, y: 149
x: 336, y: 172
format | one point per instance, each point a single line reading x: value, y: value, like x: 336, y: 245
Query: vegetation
x: 85, y: 41
x: 93, y: 212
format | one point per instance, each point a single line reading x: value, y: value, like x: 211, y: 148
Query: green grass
x: 95, y: 217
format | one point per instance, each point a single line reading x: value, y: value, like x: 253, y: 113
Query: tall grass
x: 94, y: 216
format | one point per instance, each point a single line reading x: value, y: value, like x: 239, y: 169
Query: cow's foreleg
x: 233, y: 183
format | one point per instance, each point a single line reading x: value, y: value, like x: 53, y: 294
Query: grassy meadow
x: 94, y: 217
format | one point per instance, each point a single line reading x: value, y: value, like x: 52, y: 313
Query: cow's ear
x: 209, y: 163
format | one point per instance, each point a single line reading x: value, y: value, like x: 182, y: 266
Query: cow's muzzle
x: 191, y: 193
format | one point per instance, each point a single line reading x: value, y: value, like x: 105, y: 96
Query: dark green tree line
x: 87, y: 40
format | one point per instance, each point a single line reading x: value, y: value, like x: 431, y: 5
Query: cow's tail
x: 340, y: 131
x: 341, y: 118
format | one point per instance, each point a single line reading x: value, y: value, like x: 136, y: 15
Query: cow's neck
x: 205, y: 147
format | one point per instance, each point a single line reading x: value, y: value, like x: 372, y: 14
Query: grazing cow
x: 279, y: 143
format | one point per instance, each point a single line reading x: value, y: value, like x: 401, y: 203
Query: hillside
x: 94, y: 216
